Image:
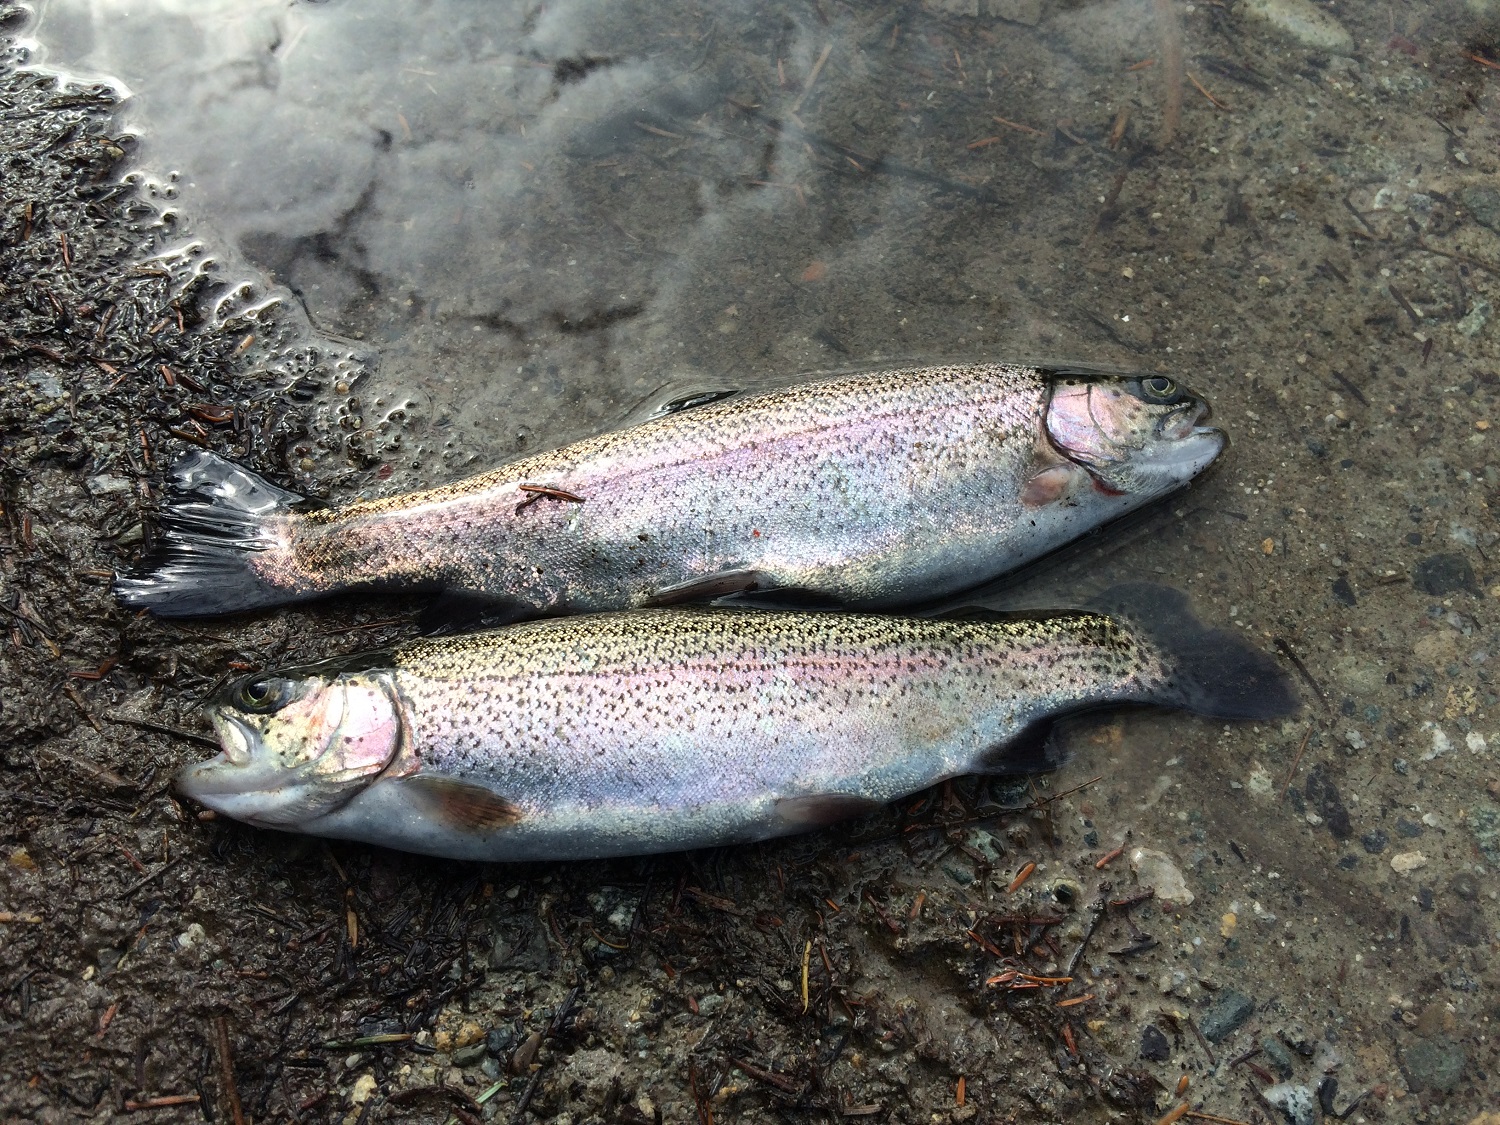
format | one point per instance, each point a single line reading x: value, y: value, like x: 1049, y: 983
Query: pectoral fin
x: 804, y: 814
x: 707, y: 588
x: 461, y: 805
x: 1049, y: 485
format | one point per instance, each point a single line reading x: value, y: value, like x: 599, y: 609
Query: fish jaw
x: 240, y: 784
x: 1177, y: 462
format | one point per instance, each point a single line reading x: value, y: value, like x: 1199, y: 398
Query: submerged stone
x: 1302, y: 22
x: 1434, y: 1064
x: 1225, y: 1015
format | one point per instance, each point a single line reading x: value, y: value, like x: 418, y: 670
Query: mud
x: 1317, y: 249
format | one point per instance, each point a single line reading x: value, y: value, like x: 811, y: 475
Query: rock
x: 1156, y: 870
x: 1482, y: 202
x: 191, y: 936
x: 472, y: 1055
x: 1465, y: 886
x: 1296, y: 1103
x: 952, y: 7
x: 1476, y: 318
x: 500, y: 953
x: 1323, y: 796
x: 1154, y: 1045
x: 1225, y: 1015
x: 1485, y: 825
x: 362, y: 1090
x: 1434, y: 1064
x: 1403, y: 863
x: 501, y: 1041
x: 1278, y: 1056
x: 1300, y: 21
x: 1444, y: 574
x: 1374, y: 841
x: 1343, y: 592
x: 1028, y: 12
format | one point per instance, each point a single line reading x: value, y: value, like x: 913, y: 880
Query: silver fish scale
x: 859, y: 487
x: 687, y: 726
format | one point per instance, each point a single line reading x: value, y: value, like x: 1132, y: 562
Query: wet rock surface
x: 1309, y: 256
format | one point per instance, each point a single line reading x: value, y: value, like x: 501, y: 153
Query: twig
x: 226, y: 1070
x: 1286, y: 650
x: 1170, y: 30
x: 1350, y: 387
x: 1297, y: 761
x: 1020, y: 128
x: 1096, y: 912
x: 527, y: 1094
x: 131, y: 1105
x: 1193, y: 78
x: 141, y: 882
x: 1202, y: 1042
x: 811, y: 78
x: 162, y: 728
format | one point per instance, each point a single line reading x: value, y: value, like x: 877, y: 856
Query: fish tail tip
x: 1217, y: 672
x: 214, y: 522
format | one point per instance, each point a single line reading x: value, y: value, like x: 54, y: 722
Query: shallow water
x: 512, y: 225
x: 540, y: 218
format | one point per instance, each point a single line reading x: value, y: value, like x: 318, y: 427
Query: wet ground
x: 360, y: 246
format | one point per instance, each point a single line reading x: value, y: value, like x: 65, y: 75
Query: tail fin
x: 211, y: 526
x: 1218, y: 673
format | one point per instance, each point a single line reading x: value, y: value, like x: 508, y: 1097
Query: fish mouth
x: 229, y: 774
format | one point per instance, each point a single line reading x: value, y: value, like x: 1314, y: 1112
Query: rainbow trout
x: 865, y: 491
x: 659, y: 730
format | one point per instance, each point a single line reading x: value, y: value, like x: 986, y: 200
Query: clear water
x: 539, y: 217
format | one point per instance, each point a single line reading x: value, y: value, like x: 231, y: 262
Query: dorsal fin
x: 462, y: 805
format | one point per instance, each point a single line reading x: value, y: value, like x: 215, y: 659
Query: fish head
x: 1138, y: 434
x: 297, y: 744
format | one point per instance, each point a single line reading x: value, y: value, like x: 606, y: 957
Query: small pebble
x: 1434, y: 1064
x: 1279, y: 1058
x: 471, y: 1055
x: 363, y: 1089
x: 1296, y: 1103
x: 1224, y: 1016
x: 1403, y: 863
x: 1154, y: 1045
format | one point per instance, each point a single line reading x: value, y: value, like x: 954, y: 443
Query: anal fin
x: 707, y: 587
x: 805, y: 814
x: 461, y: 805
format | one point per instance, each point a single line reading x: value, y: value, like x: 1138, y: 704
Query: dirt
x: 1316, y: 248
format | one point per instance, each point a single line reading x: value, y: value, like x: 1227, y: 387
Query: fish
x: 867, y: 491
x: 660, y: 730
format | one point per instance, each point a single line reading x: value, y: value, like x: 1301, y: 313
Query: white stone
x: 363, y: 1089
x: 1259, y: 782
x: 190, y: 936
x: 1403, y: 863
x: 1157, y: 870
x: 1441, y: 743
x: 1302, y: 21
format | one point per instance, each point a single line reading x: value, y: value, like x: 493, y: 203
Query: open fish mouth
x: 236, y: 738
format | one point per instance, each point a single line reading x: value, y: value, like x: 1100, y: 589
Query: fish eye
x: 262, y: 695
x: 1160, y: 389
